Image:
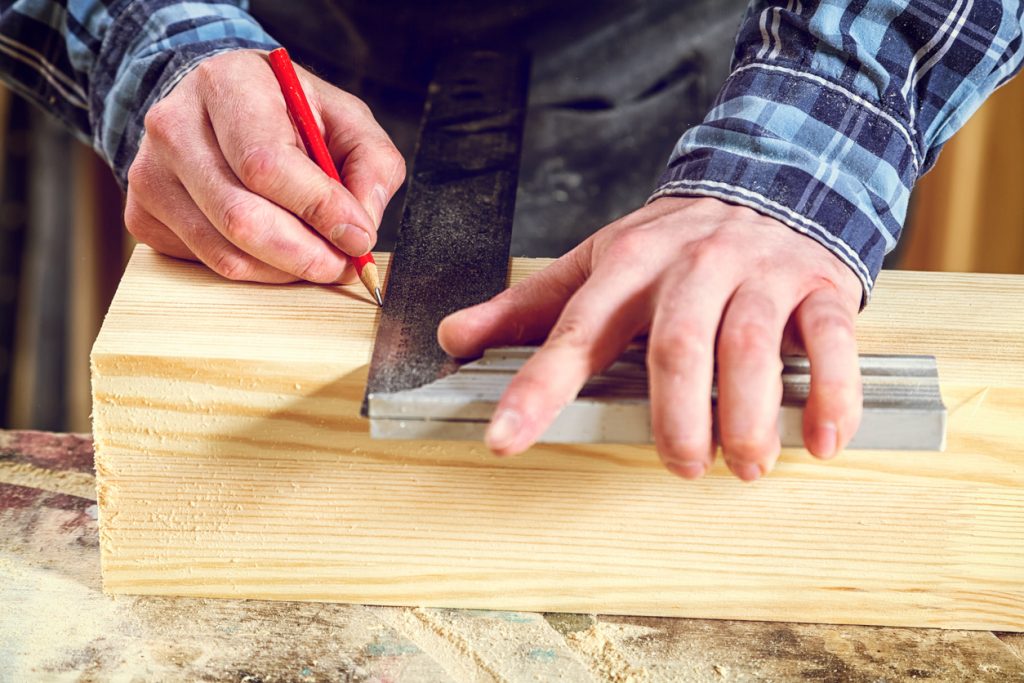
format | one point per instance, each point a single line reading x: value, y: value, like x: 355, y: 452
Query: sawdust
x: 54, y: 628
x: 442, y: 643
x: 37, y: 633
x: 1015, y: 642
x: 458, y: 641
x: 605, y: 659
x: 67, y: 482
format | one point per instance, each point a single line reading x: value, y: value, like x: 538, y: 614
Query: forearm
x: 99, y: 66
x: 830, y: 116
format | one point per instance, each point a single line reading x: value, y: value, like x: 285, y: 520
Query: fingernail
x: 380, y: 199
x: 826, y: 440
x: 503, y: 430
x: 352, y: 240
x: 690, y: 469
x: 747, y: 471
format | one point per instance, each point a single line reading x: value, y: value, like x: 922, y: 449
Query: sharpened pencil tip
x: 380, y: 299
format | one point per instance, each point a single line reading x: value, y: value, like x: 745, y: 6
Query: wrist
x: 151, y: 48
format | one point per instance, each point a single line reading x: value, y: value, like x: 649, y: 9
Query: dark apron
x: 614, y: 84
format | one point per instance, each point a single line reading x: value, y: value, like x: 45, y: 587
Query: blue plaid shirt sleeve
x: 98, y: 65
x: 834, y: 109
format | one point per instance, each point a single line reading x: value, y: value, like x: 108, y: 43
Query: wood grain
x: 58, y: 625
x: 231, y: 461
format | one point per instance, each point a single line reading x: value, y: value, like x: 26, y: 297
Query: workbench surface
x: 56, y: 623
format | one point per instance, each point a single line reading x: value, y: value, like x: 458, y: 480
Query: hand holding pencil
x: 221, y: 176
x: 306, y: 124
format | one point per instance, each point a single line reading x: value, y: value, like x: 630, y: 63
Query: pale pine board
x: 232, y: 462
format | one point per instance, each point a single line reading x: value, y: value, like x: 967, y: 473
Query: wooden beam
x: 58, y: 625
x: 232, y: 462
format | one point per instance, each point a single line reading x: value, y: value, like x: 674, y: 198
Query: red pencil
x: 302, y: 115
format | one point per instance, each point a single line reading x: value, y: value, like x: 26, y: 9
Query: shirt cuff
x: 808, y: 152
x: 149, y: 47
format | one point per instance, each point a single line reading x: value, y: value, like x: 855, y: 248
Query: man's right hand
x: 222, y: 176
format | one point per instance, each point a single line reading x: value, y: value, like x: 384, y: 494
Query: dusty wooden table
x: 56, y: 623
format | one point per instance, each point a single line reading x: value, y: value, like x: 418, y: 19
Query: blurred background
x: 63, y: 246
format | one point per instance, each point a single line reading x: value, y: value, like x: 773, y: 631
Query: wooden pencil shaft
x: 316, y: 146
x: 302, y: 115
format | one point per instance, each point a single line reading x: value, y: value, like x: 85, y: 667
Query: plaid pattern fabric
x: 832, y: 111
x: 99, y: 65
x: 835, y: 108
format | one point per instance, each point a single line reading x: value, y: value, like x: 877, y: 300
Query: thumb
x: 522, y: 314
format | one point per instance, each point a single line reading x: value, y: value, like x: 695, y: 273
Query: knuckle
x: 318, y: 209
x: 356, y: 105
x: 707, y: 254
x: 231, y: 265
x: 257, y: 167
x: 398, y: 164
x: 145, y: 175
x: 204, y: 68
x: 139, y: 177
x: 507, y: 298
x: 832, y: 327
x: 529, y: 384
x: 535, y: 397
x: 315, y: 268
x: 136, y: 175
x: 162, y: 121
x: 511, y: 301
x: 135, y: 221
x: 239, y: 220
x: 674, y: 351
x: 750, y: 336
x: 208, y: 71
x: 629, y: 246
x: 570, y: 333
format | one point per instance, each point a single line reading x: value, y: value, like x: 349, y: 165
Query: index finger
x: 372, y: 167
x: 265, y: 155
x: 596, y: 325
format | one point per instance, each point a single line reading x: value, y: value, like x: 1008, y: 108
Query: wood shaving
x: 458, y: 642
x: 605, y: 659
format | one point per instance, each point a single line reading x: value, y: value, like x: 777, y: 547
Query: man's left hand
x: 713, y: 285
